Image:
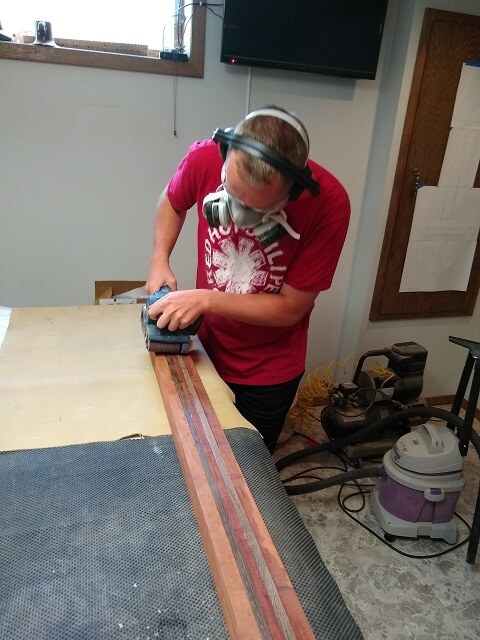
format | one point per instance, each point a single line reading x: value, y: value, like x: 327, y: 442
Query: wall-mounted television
x: 335, y: 37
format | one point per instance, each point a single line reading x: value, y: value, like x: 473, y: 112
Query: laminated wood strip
x: 256, y: 595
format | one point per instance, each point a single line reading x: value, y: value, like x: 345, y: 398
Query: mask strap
x: 281, y: 218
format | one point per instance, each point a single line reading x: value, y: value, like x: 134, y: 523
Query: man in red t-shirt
x: 271, y: 227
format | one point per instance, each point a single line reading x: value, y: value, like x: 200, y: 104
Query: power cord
x: 334, y: 400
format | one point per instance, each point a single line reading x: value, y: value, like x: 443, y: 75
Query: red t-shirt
x: 232, y: 260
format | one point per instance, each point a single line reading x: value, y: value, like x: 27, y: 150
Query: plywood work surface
x: 82, y: 374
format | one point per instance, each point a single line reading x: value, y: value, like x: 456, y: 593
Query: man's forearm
x: 168, y: 224
x: 272, y: 310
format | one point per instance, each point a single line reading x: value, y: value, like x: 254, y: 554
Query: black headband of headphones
x: 302, y: 177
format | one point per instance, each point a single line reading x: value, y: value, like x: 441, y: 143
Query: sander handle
x: 158, y: 295
x: 191, y: 330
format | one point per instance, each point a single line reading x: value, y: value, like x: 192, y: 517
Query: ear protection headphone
x: 302, y: 178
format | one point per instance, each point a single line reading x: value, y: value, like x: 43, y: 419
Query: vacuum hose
x: 366, y: 433
x: 341, y: 478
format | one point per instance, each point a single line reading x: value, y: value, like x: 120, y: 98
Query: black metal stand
x: 472, y: 364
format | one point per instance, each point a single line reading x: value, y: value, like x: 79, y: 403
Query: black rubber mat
x: 99, y: 541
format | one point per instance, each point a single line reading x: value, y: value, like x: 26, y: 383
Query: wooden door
x: 446, y: 42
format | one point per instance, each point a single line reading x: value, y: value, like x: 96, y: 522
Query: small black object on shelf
x: 173, y: 54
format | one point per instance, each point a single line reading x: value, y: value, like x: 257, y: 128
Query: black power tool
x: 373, y: 396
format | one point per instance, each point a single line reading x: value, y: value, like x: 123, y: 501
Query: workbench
x: 70, y: 375
x: 98, y: 537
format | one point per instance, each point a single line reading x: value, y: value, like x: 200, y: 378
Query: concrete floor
x: 391, y: 596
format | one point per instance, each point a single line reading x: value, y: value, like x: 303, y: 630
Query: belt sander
x: 162, y: 340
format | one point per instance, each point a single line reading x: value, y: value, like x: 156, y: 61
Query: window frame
x: 194, y: 68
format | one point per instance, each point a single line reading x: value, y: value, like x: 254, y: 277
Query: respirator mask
x: 221, y: 210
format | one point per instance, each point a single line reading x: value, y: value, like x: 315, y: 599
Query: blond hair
x: 278, y: 135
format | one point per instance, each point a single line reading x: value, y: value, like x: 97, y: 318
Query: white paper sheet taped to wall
x: 446, y: 218
x: 443, y: 239
x: 466, y: 110
x: 462, y: 155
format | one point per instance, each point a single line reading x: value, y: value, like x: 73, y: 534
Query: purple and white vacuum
x: 421, y: 480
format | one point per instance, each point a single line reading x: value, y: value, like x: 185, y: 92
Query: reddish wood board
x: 255, y: 592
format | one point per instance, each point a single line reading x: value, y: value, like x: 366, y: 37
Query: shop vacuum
x: 421, y: 476
x: 419, y: 485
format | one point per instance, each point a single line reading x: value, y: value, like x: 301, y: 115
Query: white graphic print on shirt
x: 242, y: 267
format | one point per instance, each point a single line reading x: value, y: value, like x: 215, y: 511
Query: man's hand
x: 159, y: 275
x: 179, y: 309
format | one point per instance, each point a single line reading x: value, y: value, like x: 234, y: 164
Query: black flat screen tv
x: 334, y: 37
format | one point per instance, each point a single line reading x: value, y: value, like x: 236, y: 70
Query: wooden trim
x: 436, y: 401
x: 255, y: 592
x: 194, y: 68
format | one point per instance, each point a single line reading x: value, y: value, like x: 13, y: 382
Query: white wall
x: 86, y: 152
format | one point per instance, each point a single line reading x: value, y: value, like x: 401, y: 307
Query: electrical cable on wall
x: 179, y: 45
x: 249, y: 90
